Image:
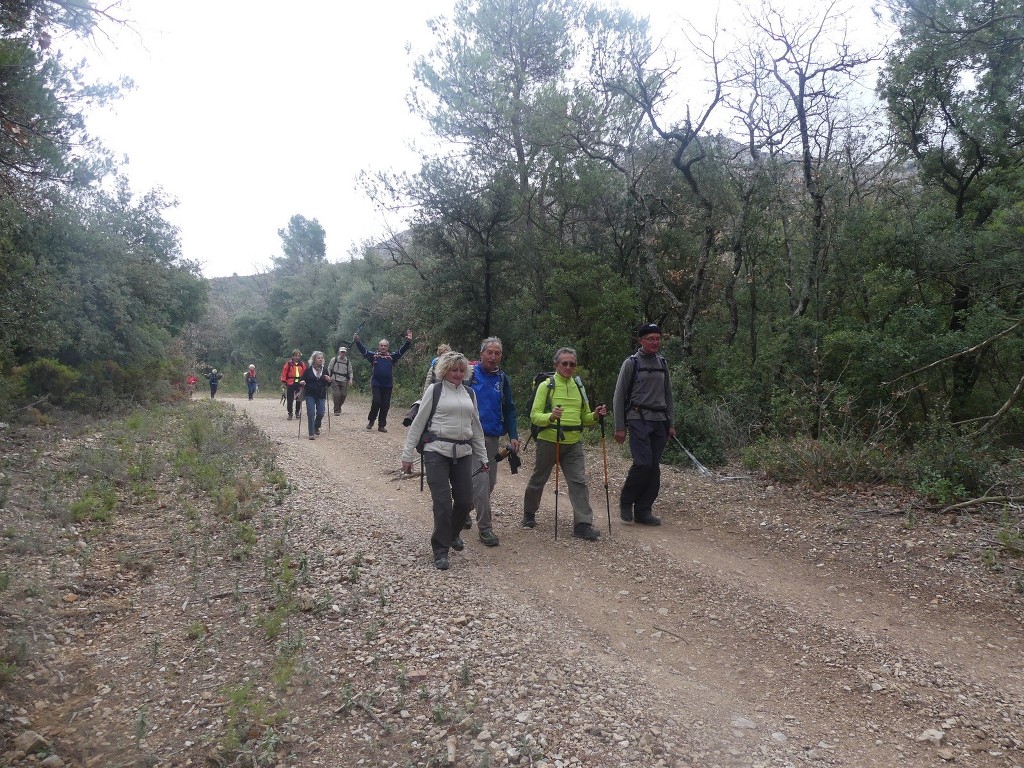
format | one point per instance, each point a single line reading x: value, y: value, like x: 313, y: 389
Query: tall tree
x: 43, y: 98
x: 954, y: 84
x: 303, y: 244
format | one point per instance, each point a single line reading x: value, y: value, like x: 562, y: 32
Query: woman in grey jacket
x: 452, y: 438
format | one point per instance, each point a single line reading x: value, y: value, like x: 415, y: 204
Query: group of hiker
x: 467, y: 408
x: 311, y: 381
x: 465, y: 411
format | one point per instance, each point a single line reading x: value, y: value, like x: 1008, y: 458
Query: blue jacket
x: 383, y: 365
x: 494, y: 401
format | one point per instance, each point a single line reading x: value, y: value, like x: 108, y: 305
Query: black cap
x: 647, y: 328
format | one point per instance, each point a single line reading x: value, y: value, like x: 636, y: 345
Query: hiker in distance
x: 643, y: 403
x: 340, y: 369
x: 315, y: 382
x: 382, y: 381
x: 431, y: 377
x: 561, y: 410
x: 214, y: 378
x: 453, y: 446
x: 498, y: 417
x: 291, y: 374
x: 250, y: 380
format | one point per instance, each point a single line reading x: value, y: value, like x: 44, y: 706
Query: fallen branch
x: 670, y: 632
x: 230, y: 592
x: 983, y: 500
x: 365, y: 707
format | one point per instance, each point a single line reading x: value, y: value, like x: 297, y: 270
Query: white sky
x: 251, y: 112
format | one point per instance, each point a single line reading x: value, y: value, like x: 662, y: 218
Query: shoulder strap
x: 551, y: 388
x: 582, y: 389
x: 435, y: 397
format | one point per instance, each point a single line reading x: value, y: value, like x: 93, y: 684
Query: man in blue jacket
x: 498, y: 417
x: 382, y: 381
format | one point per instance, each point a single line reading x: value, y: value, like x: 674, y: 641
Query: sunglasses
x: 568, y: 364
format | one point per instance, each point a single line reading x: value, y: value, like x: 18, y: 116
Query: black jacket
x: 316, y: 387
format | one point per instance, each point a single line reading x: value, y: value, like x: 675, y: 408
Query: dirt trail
x: 818, y: 621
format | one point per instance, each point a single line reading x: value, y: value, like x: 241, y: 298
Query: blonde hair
x: 442, y: 348
x: 447, y: 361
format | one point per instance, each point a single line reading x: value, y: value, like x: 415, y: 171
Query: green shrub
x: 50, y: 378
x: 696, y: 422
x: 820, y: 462
x: 97, y: 505
x: 945, y: 465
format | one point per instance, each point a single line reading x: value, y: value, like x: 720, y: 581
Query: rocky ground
x: 759, y: 626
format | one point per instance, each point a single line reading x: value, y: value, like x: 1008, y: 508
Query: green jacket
x: 576, y: 412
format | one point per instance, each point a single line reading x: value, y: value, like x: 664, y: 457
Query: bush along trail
x: 199, y: 586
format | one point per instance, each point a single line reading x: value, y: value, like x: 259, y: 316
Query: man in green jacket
x: 561, y: 410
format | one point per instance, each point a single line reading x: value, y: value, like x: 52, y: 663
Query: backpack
x: 435, y: 396
x: 663, y: 369
x: 549, y: 377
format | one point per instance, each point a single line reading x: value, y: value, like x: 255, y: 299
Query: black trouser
x: 380, y: 406
x: 647, y: 441
x: 293, y: 390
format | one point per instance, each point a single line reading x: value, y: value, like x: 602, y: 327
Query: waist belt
x: 578, y: 428
x: 652, y: 409
x: 439, y: 439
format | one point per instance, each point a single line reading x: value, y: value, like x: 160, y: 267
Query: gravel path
x: 752, y: 628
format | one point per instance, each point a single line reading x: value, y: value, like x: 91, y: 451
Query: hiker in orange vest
x: 291, y: 378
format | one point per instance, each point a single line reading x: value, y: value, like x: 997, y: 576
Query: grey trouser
x: 484, y: 483
x: 570, y: 459
x: 339, y: 391
x: 451, y: 494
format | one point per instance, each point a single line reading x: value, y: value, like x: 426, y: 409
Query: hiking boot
x: 529, y: 521
x: 289, y: 417
x: 468, y: 524
x: 626, y: 513
x: 311, y: 437
x: 648, y: 519
x: 585, y: 531
x: 318, y: 431
x: 488, y: 538
x: 382, y: 429
x: 458, y: 544
x: 337, y: 413
x: 441, y: 563
x: 369, y: 426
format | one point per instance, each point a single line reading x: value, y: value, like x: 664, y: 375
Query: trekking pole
x: 558, y: 442
x: 328, y: 417
x: 700, y: 467
x: 421, y: 473
x: 607, y: 500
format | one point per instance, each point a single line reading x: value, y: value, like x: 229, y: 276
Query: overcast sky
x: 249, y: 113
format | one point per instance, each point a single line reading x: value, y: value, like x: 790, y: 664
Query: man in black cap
x: 643, y: 401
